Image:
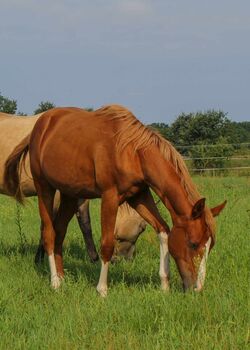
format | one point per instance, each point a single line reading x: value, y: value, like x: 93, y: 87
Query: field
x: 136, y: 314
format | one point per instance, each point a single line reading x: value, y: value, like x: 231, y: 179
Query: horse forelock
x: 132, y: 132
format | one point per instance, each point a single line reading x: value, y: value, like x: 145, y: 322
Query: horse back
x: 75, y: 151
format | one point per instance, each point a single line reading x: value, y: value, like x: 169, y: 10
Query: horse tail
x: 12, y: 170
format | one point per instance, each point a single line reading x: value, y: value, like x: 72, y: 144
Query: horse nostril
x: 193, y: 245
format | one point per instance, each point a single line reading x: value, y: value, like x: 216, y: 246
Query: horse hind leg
x: 46, y: 195
x: 67, y: 209
x: 84, y: 222
x: 39, y: 257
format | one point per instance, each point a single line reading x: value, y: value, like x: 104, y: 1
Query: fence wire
x: 236, y: 158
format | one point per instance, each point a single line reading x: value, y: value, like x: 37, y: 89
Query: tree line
x: 208, y: 137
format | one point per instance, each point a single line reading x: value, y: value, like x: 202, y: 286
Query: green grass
x: 136, y: 314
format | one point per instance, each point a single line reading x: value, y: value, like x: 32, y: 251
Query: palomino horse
x: 129, y: 225
x: 110, y: 154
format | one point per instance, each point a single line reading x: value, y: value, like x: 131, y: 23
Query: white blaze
x: 202, y: 269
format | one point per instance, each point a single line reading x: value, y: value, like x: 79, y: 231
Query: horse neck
x: 161, y: 176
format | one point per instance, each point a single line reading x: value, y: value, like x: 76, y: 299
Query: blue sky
x: 159, y: 58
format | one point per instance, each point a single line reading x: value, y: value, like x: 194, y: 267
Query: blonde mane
x: 131, y: 130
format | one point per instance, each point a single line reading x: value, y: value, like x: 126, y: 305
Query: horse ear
x: 198, y: 208
x: 216, y: 210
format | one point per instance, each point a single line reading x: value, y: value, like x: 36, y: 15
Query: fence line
x: 212, y: 169
x: 226, y: 157
x: 213, y: 145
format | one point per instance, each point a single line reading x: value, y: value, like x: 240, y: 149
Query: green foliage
x: 194, y: 133
x: 163, y: 128
x: 238, y: 132
x: 21, y: 114
x: 7, y: 105
x: 44, y: 106
x: 216, y: 156
x: 197, y: 128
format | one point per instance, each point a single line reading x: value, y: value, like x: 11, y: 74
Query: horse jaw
x: 202, y: 269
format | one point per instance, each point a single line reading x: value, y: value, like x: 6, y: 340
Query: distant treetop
x: 44, y: 106
x: 7, y: 105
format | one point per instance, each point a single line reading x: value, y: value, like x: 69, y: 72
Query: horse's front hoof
x: 55, y: 282
x: 102, y: 290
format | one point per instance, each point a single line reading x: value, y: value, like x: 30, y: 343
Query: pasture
x: 136, y: 314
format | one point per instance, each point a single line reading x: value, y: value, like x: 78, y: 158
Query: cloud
x: 136, y: 8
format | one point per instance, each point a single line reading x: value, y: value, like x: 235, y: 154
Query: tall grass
x: 136, y: 314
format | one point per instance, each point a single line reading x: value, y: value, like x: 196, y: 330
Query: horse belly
x: 66, y: 172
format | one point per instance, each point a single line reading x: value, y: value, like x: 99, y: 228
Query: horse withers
x: 110, y: 154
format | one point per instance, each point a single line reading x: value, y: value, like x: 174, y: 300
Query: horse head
x: 190, y: 241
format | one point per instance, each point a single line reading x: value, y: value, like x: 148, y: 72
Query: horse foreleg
x: 84, y: 222
x: 144, y: 204
x: 109, y: 209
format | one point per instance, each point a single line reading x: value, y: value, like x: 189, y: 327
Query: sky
x: 159, y: 58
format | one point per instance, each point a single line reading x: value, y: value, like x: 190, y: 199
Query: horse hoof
x: 103, y: 291
x: 94, y: 258
x: 165, y: 286
x: 55, y: 282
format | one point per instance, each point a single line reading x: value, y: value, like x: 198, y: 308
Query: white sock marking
x: 102, y: 286
x: 164, y: 261
x: 55, y: 279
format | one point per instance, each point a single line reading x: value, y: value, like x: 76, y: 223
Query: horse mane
x: 132, y: 131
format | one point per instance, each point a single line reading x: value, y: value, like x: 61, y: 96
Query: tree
x: 163, y: 128
x: 238, y: 132
x: 44, y: 106
x: 204, y: 137
x: 199, y: 127
x: 7, y: 105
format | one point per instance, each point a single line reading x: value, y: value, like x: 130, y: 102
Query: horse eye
x: 193, y: 246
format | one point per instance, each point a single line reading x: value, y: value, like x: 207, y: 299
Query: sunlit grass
x: 136, y: 314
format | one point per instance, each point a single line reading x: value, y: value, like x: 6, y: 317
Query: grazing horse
x: 110, y: 154
x: 129, y: 224
x: 128, y: 227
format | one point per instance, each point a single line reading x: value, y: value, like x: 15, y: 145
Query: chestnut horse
x: 129, y: 225
x: 110, y: 154
x: 12, y: 130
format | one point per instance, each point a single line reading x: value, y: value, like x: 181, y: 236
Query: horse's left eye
x: 193, y: 245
